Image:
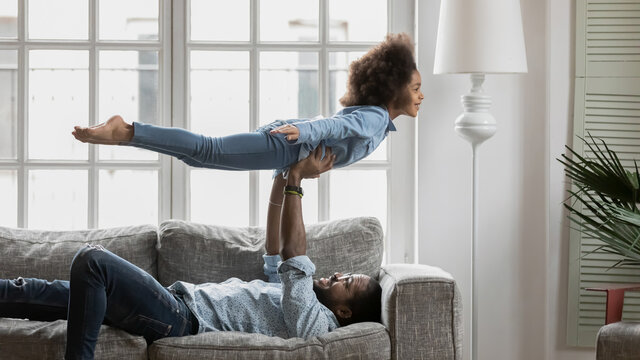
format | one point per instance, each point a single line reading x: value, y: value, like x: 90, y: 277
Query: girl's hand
x: 291, y: 131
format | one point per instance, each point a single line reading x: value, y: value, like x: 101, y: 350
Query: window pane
x: 288, y: 85
x: 9, y: 196
x: 350, y: 22
x: 289, y: 20
x: 9, y: 16
x: 60, y: 19
x: 220, y: 197
x: 8, y: 103
x: 128, y: 87
x: 220, y: 20
x: 219, y: 89
x: 58, y: 100
x: 128, y: 19
x: 128, y: 197
x: 359, y: 193
x: 58, y: 199
x: 338, y: 69
x: 309, y: 201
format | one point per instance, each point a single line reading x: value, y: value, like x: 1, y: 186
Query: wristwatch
x: 293, y: 190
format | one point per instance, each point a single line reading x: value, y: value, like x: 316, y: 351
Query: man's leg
x: 105, y: 287
x: 34, y: 299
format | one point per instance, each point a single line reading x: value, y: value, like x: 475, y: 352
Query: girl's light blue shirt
x: 352, y: 133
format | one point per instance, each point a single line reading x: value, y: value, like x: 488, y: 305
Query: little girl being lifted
x: 382, y: 84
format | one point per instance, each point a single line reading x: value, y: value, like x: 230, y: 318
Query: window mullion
x: 22, y: 113
x: 164, y: 107
x: 323, y: 181
x: 254, y: 104
x: 180, y: 194
x: 92, y: 199
x: 401, y: 184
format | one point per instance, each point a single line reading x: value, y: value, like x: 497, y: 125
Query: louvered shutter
x: 607, y: 106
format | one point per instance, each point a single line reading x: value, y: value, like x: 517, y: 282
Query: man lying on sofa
x: 105, y: 288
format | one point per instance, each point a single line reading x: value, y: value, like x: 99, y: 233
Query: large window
x: 214, y: 67
x: 60, y: 69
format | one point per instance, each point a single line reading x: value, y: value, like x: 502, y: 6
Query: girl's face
x: 415, y: 94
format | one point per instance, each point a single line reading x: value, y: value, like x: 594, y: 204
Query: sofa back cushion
x: 199, y: 253
x: 48, y: 254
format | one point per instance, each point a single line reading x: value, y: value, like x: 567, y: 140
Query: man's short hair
x: 367, y: 305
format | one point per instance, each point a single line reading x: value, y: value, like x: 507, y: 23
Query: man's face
x: 339, y: 288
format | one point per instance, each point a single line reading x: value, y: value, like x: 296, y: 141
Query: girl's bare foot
x: 112, y: 132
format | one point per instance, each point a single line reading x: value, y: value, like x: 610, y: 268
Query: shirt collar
x: 390, y: 126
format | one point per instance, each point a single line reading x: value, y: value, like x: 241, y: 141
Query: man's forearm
x: 294, y: 237
x: 294, y: 240
x: 272, y: 243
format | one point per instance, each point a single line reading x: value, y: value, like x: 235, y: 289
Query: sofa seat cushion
x: 357, y: 341
x: 618, y: 341
x: 48, y: 254
x: 199, y: 253
x: 24, y: 339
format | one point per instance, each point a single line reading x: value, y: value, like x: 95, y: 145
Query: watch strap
x: 293, y: 190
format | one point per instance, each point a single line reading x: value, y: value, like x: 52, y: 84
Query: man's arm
x: 272, y: 244
x: 294, y: 241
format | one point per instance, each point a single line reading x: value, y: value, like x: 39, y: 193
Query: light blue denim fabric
x: 352, y: 133
x: 288, y: 308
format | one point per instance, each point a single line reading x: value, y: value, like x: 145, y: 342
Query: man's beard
x: 323, y: 296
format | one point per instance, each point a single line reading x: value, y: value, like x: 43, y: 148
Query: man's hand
x: 291, y: 131
x: 313, y: 165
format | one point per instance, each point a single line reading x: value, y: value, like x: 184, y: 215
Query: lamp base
x: 476, y: 124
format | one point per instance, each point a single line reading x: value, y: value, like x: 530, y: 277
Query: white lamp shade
x: 480, y: 36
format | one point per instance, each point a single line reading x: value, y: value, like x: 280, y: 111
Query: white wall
x: 514, y: 167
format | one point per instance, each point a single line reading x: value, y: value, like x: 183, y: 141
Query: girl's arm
x: 363, y: 122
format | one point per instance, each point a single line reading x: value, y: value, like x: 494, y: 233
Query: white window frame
x: 22, y: 165
x: 400, y: 166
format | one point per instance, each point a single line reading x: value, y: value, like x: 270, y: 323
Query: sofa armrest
x: 422, y: 309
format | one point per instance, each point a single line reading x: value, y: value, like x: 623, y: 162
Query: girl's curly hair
x: 380, y: 77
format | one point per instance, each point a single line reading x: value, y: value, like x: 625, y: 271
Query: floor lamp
x: 478, y: 37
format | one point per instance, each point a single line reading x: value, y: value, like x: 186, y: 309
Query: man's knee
x: 85, y: 258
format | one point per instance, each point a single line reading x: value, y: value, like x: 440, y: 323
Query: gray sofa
x: 421, y: 304
x: 618, y: 341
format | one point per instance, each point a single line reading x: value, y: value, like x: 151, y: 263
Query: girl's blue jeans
x: 256, y: 150
x: 104, y: 288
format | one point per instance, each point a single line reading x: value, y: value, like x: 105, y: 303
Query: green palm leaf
x: 604, y: 206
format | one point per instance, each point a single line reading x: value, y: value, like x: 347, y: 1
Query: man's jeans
x: 104, y: 288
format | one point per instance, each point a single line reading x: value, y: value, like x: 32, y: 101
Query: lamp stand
x: 475, y: 125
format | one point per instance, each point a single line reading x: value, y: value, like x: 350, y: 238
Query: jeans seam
x: 151, y: 321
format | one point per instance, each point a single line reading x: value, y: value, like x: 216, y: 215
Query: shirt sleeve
x: 304, y: 315
x: 364, y: 122
x: 271, y: 267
